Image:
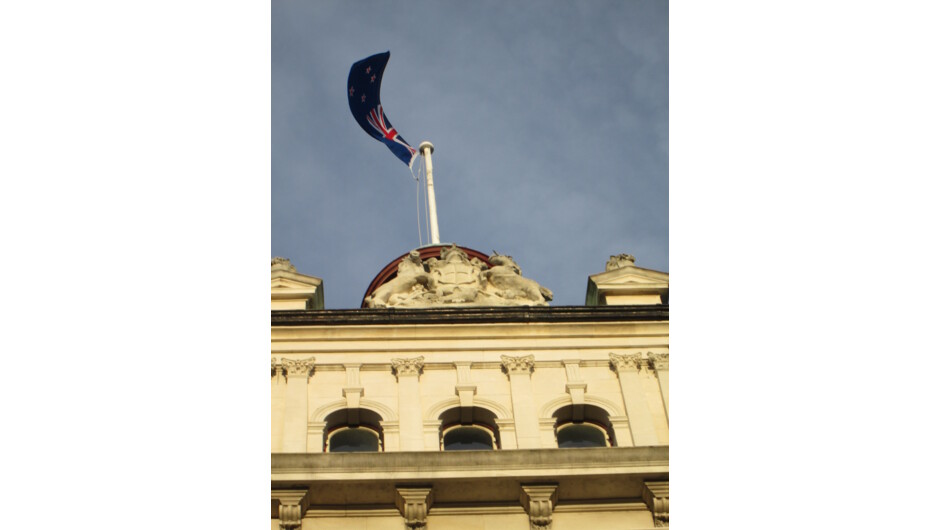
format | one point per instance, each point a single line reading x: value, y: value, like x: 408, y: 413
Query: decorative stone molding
x: 402, y: 367
x: 539, y: 502
x: 627, y: 361
x: 291, y: 508
x: 656, y: 497
x: 414, y: 503
x: 659, y: 361
x: 518, y: 365
x: 297, y: 367
x: 620, y: 261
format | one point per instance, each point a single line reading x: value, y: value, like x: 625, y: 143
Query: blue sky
x: 549, y: 121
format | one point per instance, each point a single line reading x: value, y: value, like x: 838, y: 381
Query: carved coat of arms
x: 456, y: 279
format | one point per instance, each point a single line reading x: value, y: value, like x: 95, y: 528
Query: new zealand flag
x: 365, y: 81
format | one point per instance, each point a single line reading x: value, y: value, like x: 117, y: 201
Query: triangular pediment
x: 631, y: 275
x: 627, y: 285
x: 292, y: 290
x: 288, y: 283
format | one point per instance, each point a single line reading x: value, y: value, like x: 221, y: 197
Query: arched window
x: 353, y: 440
x: 583, y: 426
x: 581, y: 435
x: 353, y: 430
x: 468, y: 429
x: 468, y: 438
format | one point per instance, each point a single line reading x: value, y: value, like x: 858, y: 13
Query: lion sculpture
x: 504, y: 279
x: 411, y: 277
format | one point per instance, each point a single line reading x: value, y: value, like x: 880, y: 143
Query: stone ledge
x: 516, y: 462
x: 470, y: 315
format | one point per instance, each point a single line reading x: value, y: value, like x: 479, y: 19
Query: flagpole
x: 426, y: 149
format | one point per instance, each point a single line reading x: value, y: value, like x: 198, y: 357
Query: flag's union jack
x: 363, y: 86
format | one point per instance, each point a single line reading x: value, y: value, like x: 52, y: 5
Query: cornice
x: 348, y: 317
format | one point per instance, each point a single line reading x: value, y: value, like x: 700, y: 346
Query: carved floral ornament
x: 659, y: 361
x: 296, y: 367
x: 627, y: 361
x: 518, y: 365
x: 402, y: 367
x: 636, y: 361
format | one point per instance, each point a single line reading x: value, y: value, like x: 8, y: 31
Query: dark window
x: 582, y: 435
x: 468, y: 438
x: 353, y: 440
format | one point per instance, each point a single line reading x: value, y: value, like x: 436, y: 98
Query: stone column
x: 414, y: 503
x: 539, y: 501
x: 523, y: 403
x: 292, y: 505
x: 660, y: 363
x: 656, y: 497
x: 628, y: 368
x: 295, y: 406
x: 411, y: 425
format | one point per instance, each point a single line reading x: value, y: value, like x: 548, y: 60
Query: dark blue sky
x: 549, y: 121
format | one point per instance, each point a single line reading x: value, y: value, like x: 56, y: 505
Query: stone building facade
x: 474, y: 404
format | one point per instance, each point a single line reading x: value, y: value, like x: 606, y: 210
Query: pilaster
x: 539, y: 502
x: 409, y: 402
x: 519, y: 370
x: 628, y: 367
x: 414, y: 503
x: 294, y: 438
x: 659, y: 362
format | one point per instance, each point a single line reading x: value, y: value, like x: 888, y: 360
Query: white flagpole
x: 426, y: 149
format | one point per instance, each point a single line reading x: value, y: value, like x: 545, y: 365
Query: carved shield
x: 456, y: 273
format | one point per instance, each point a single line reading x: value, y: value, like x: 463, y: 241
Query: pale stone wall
x: 562, y: 364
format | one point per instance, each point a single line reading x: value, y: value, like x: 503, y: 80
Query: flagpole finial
x: 424, y: 144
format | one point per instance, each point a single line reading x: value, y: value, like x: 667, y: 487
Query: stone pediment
x: 456, y: 280
x: 626, y: 284
x: 292, y: 290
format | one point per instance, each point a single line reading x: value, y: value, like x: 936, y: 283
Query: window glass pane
x: 354, y: 440
x: 581, y: 436
x: 467, y: 438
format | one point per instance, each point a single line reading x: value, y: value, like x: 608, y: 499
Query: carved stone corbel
x: 297, y: 367
x: 539, y: 502
x: 656, y: 497
x: 402, y: 367
x: 414, y: 503
x: 292, y: 505
x: 518, y: 365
